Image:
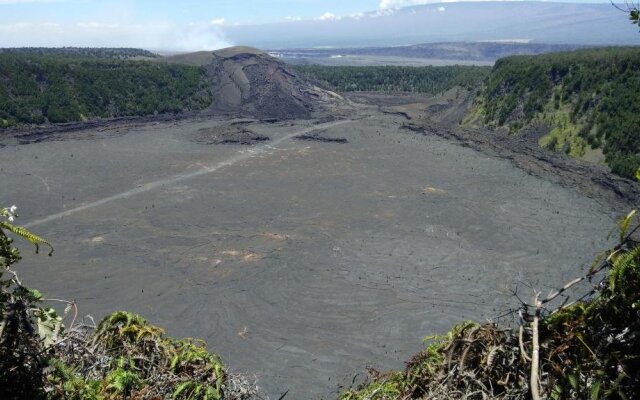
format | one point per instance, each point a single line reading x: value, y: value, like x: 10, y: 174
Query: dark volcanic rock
x: 412, y: 127
x: 315, y: 137
x: 234, y: 134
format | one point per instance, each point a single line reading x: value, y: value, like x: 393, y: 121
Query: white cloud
x: 386, y: 4
x: 395, y: 4
x: 21, y: 26
x: 2, y: 2
x: 328, y: 17
x: 293, y: 18
x: 441, y: 9
x: 192, y: 38
x: 154, y: 36
x: 218, y: 21
x: 96, y: 25
x: 381, y: 13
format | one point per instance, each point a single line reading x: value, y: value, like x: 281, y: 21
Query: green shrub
x: 397, y: 79
x: 599, y: 88
x: 72, y: 86
x: 588, y: 349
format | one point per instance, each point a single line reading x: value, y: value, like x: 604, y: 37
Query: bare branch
x: 535, y: 352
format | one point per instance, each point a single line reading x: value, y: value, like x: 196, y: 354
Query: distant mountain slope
x: 585, y: 103
x: 462, y: 51
x: 202, y: 58
x: 198, y: 59
x: 541, y: 22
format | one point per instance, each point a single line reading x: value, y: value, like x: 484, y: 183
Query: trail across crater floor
x: 300, y: 262
x: 172, y: 180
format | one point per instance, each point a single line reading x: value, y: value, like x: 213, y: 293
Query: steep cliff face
x: 248, y: 81
x: 584, y: 103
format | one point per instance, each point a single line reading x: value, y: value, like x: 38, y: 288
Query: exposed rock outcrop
x: 248, y: 81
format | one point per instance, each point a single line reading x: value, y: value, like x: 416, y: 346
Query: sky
x: 166, y: 24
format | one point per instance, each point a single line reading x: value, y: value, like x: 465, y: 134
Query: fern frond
x: 625, y: 223
x: 183, y: 388
x: 596, y: 263
x: 25, y: 233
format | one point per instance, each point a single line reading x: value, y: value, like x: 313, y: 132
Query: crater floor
x: 300, y: 262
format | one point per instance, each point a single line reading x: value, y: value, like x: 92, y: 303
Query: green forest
x: 85, y: 52
x: 71, y: 85
x: 396, y: 79
x: 589, y: 98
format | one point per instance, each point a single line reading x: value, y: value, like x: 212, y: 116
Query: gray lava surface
x: 300, y: 262
x: 235, y: 134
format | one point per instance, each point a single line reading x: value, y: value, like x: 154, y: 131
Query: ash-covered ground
x: 301, y: 262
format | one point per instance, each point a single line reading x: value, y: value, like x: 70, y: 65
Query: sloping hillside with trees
x: 396, y: 79
x: 588, y: 101
x: 85, y: 52
x: 69, y: 86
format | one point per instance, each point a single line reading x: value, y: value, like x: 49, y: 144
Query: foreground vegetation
x: 79, y: 84
x: 583, y: 349
x: 580, y: 346
x: 396, y: 79
x: 43, y: 355
x: 590, y: 100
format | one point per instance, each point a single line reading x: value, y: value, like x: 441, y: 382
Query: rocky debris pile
x: 248, y: 81
x: 234, y: 134
x: 317, y: 137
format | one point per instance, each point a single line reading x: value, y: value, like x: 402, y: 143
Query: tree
x: 630, y: 7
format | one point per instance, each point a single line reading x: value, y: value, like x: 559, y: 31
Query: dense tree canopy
x: 57, y: 88
x: 85, y: 52
x: 397, y: 79
x: 597, y: 90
